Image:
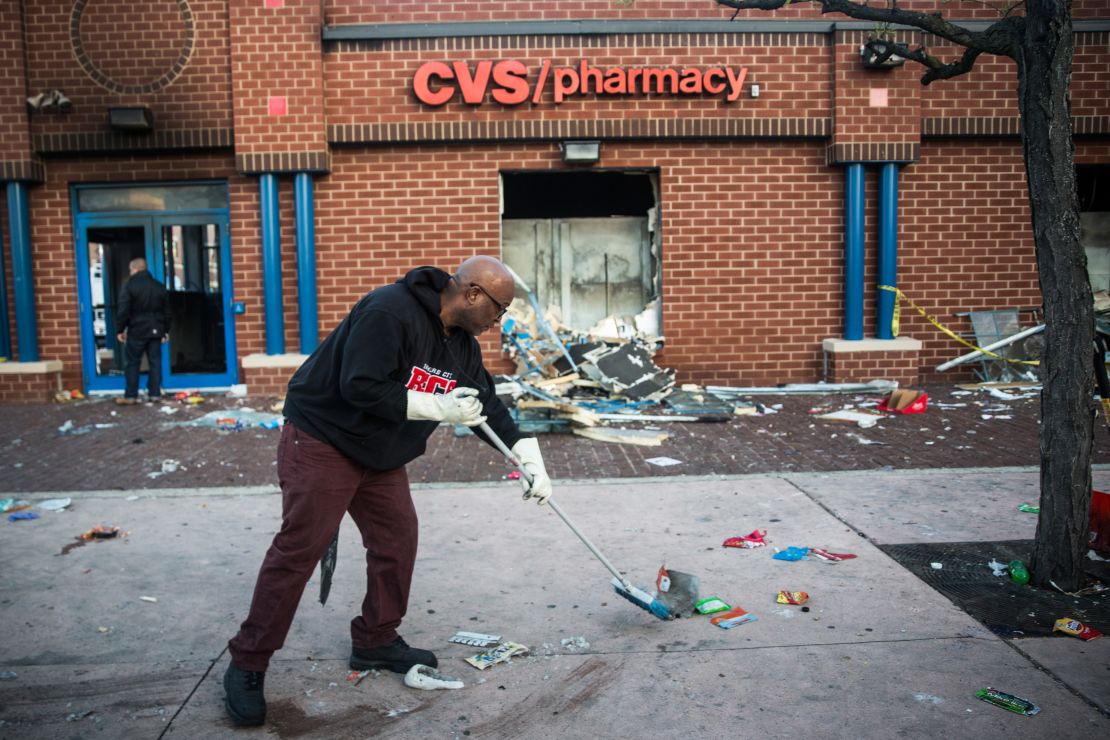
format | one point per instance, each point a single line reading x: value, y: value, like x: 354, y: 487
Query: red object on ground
x: 755, y: 539
x: 905, y: 401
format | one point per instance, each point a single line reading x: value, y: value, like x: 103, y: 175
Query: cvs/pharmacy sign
x: 510, y: 82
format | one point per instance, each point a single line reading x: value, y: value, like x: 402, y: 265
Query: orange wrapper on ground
x: 792, y: 597
x: 1074, y: 627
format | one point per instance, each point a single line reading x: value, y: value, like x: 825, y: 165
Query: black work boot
x: 245, y: 702
x: 397, y: 656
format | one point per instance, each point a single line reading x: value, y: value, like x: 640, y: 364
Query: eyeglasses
x: 500, y: 309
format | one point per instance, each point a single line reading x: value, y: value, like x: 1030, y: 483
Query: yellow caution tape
x: 895, y: 319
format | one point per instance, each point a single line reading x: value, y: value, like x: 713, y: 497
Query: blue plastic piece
x: 791, y: 553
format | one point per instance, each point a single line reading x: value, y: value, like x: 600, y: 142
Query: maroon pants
x: 319, y: 484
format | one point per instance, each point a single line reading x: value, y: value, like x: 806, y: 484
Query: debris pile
x: 568, y: 380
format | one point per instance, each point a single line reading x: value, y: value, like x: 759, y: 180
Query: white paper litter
x: 663, y: 461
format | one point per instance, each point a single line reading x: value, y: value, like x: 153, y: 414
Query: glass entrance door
x: 194, y: 275
x: 190, y: 254
x: 110, y: 249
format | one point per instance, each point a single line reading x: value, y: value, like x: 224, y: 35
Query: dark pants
x: 319, y: 484
x: 133, y: 352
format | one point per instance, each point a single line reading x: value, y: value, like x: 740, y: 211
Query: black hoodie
x: 351, y: 392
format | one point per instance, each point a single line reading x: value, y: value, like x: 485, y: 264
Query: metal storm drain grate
x: 1003, y: 606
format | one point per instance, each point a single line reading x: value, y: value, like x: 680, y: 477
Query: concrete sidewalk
x: 879, y: 654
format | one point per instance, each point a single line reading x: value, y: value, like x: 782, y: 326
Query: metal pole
x: 993, y: 346
x: 306, y: 262
x: 23, y: 283
x: 271, y: 264
x: 853, y: 253
x: 888, y: 248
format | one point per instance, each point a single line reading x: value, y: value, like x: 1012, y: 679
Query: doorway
x: 187, y: 248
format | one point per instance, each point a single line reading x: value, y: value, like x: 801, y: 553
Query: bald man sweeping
x: 357, y: 411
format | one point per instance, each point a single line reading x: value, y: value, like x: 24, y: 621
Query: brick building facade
x: 274, y: 160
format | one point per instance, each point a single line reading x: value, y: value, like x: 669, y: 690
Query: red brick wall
x: 275, y: 52
x: 375, y: 86
x: 429, y: 11
x: 965, y: 242
x: 54, y: 268
x: 117, y: 38
x: 863, y: 367
x: 752, y: 229
x: 15, y: 138
x: 28, y: 388
x: 896, y: 118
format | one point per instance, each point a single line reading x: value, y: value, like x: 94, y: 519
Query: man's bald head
x: 490, y: 273
x: 137, y: 265
x: 481, y: 288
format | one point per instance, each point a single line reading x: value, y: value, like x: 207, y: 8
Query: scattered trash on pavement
x: 997, y: 568
x: 831, y: 557
x: 663, y: 462
x: 22, y: 516
x: 427, y: 678
x: 936, y: 566
x: 55, y: 504
x: 355, y: 677
x: 1018, y: 572
x: 151, y: 599
x: 734, y: 617
x: 500, y: 654
x: 905, y: 401
x: 100, y: 532
x: 575, y: 643
x: 474, y: 639
x: 1007, y: 701
x: 234, y: 420
x: 863, y: 419
x: 8, y: 675
x: 711, y: 605
x: 791, y: 553
x: 1075, y: 628
x: 677, y: 591
x: 1026, y: 508
x: 796, y: 598
x: 747, y: 542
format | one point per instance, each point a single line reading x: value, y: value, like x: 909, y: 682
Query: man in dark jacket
x: 143, y: 324
x: 359, y: 408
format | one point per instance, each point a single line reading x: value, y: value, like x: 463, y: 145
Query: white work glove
x: 460, y: 406
x: 527, y: 451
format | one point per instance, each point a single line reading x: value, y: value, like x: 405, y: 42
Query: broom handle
x: 554, y: 506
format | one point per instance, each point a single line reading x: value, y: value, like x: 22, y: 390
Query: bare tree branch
x: 1000, y: 38
x: 938, y: 69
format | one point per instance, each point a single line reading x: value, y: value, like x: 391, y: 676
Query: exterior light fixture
x: 51, y: 100
x: 135, y: 119
x: 581, y: 152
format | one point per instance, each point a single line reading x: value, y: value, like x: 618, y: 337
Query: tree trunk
x: 1044, y: 60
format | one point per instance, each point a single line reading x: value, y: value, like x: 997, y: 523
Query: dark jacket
x: 352, y: 391
x: 143, y: 308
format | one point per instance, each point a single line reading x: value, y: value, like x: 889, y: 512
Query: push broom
x: 621, y: 585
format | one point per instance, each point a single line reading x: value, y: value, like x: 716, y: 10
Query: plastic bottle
x: 1018, y: 572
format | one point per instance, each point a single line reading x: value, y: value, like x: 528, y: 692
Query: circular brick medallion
x: 132, y: 48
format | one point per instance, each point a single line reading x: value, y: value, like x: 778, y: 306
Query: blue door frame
x: 151, y: 223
